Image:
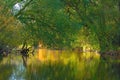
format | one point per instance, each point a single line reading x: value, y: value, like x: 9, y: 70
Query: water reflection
x: 108, y: 71
x: 5, y: 71
x: 66, y: 66
x: 12, y: 68
x: 18, y: 72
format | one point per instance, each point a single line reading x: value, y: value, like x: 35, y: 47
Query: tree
x: 10, y: 29
x: 47, y: 22
x: 101, y: 17
x: 56, y: 23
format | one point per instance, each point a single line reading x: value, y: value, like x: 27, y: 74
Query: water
x: 65, y: 67
x: 18, y: 72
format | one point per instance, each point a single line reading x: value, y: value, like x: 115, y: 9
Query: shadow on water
x: 108, y: 71
x: 5, y: 71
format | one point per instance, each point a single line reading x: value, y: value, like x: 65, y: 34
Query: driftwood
x: 25, y: 52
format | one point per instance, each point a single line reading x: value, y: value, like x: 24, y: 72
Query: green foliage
x: 51, y: 26
x: 9, y: 34
x: 57, y: 23
x: 101, y: 17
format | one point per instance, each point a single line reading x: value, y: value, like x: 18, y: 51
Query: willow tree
x: 56, y: 22
x: 99, y: 17
x: 47, y: 22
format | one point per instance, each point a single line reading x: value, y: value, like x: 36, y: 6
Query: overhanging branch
x: 23, y: 8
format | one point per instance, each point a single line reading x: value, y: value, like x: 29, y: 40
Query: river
x: 59, y: 66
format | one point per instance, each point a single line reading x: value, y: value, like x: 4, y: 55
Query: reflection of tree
x: 6, y: 71
x: 25, y: 52
x: 107, y: 70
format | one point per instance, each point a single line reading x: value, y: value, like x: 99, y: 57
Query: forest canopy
x: 61, y: 23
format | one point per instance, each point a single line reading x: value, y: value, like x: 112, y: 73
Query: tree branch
x: 23, y: 8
